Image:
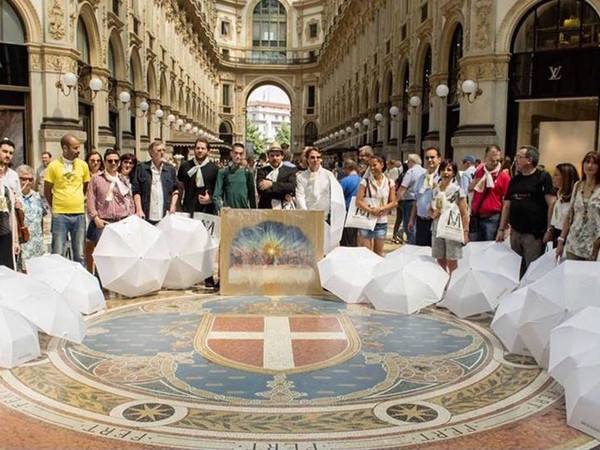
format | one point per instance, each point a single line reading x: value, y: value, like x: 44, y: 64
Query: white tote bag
x: 450, y: 224
x: 357, y: 218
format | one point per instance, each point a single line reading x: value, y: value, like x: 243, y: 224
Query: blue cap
x: 469, y: 159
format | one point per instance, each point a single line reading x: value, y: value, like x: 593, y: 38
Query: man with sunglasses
x: 197, y: 177
x: 65, y: 186
x: 109, y: 196
x: 423, y: 195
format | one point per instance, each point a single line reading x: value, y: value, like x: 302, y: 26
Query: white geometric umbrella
x: 40, y: 305
x: 408, y: 253
x: 506, y: 321
x: 132, y: 257
x: 538, y: 268
x: 345, y: 272
x: 191, y: 248
x: 582, y: 398
x: 471, y: 249
x: 574, y: 344
x: 406, y: 288
x: 76, y: 285
x: 562, y: 292
x: 18, y: 339
x: 492, y: 273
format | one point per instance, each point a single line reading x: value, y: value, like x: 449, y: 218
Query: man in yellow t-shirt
x: 65, y: 185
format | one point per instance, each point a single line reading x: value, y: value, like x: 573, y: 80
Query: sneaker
x: 209, y: 283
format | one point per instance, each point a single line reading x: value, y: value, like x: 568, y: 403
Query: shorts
x: 378, y: 233
x: 445, y: 248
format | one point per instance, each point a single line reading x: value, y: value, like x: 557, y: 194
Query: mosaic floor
x: 183, y: 370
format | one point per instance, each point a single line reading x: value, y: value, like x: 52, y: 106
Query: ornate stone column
x: 482, y: 116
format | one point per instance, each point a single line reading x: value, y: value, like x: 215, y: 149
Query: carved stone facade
x: 175, y: 55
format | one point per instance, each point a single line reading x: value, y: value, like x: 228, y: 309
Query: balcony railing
x: 283, y: 57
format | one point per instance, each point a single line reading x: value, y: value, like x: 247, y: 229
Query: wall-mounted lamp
x: 188, y: 127
x: 179, y: 123
x: 159, y: 114
x: 67, y: 82
x: 170, y: 119
x: 336, y: 134
x: 366, y: 122
x: 195, y: 130
x: 95, y: 85
x: 342, y: 133
x: 125, y: 99
x: 378, y: 117
x: 414, y: 101
x: 442, y: 91
x: 471, y: 90
x: 348, y: 130
x: 394, y: 112
x: 357, y: 125
x: 144, y: 106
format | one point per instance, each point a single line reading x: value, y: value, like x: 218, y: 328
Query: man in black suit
x: 276, y: 182
x: 197, y: 177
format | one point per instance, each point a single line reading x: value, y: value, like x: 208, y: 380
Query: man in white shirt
x: 318, y: 189
x: 419, y: 217
x: 154, y: 186
x: 406, y: 193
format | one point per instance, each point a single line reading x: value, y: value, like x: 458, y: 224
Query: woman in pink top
x: 109, y: 197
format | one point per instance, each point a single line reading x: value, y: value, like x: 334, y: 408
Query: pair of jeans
x: 487, y: 228
x: 73, y: 226
x: 407, y: 206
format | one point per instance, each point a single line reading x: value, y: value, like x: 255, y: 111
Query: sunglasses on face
x: 112, y: 161
x: 429, y: 158
x: 127, y: 162
x: 25, y: 179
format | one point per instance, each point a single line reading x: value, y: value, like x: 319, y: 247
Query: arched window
x: 11, y: 28
x: 452, y: 100
x: 557, y: 24
x: 112, y: 67
x: 405, y: 98
x: 14, y: 81
x: 83, y: 43
x: 225, y: 133
x: 310, y: 133
x: 269, y: 31
x: 425, y: 93
x: 456, y: 53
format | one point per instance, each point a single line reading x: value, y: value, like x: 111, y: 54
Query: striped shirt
x: 98, y: 205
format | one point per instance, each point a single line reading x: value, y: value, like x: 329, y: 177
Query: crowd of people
x: 493, y: 198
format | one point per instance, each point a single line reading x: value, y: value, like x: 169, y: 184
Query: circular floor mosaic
x: 278, y: 372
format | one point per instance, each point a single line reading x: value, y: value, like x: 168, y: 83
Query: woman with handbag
x: 377, y: 197
x: 445, y: 194
x: 581, y: 228
x: 32, y: 240
x: 564, y: 178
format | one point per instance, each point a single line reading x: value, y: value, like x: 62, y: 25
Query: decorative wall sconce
x: 471, y: 90
x: 342, y: 133
x: 143, y: 107
x: 394, y: 112
x: 366, y: 122
x: 95, y: 85
x: 195, y: 130
x: 357, y: 125
x: 348, y: 130
x: 67, y: 82
x: 188, y: 127
x: 442, y: 91
x: 414, y: 101
x: 378, y: 117
x: 336, y: 134
x: 125, y: 99
x: 159, y: 114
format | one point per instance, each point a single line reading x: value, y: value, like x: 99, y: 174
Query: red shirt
x: 492, y: 203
